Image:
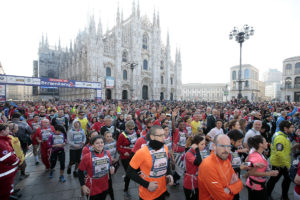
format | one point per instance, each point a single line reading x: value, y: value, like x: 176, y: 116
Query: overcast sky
x: 199, y: 27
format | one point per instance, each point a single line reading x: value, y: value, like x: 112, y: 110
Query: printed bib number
x: 236, y: 159
x: 160, y: 162
x: 77, y: 138
x: 101, y: 166
x: 58, y: 139
x: 45, y: 135
x: 182, y: 139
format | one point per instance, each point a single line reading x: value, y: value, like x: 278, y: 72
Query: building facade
x: 129, y: 60
x: 204, y: 92
x: 272, y: 80
x: 250, y: 85
x: 291, y: 79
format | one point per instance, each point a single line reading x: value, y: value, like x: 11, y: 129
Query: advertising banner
x: 48, y: 82
x: 110, y: 82
x: 2, y: 93
x: 98, y: 96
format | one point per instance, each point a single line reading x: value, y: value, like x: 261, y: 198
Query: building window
x: 288, y: 69
x: 145, y: 64
x: 297, y: 68
x: 124, y: 75
x: 246, y: 84
x: 246, y: 74
x: 162, y: 79
x: 145, y: 41
x: 288, y: 83
x: 171, y: 81
x: 108, y: 71
x: 297, y: 82
x: 161, y: 64
x: 233, y: 75
x: 124, y: 56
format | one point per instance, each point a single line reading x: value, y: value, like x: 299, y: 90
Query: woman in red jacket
x: 192, y: 161
x: 125, y: 144
x: 97, y: 164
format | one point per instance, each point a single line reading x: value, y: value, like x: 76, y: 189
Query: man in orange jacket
x: 217, y: 179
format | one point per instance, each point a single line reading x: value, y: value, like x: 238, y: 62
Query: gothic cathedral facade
x: 129, y: 60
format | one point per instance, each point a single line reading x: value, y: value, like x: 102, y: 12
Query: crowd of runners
x: 210, y: 146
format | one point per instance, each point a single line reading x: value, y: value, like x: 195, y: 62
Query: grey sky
x: 199, y: 27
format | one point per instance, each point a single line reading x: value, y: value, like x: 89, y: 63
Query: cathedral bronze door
x: 108, y: 94
x: 161, y: 96
x: 124, y: 95
x: 171, y: 96
x: 145, y: 92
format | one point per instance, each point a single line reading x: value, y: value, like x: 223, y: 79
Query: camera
x: 248, y: 164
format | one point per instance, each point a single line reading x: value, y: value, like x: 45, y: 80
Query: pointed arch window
x: 145, y: 41
x: 124, y: 75
x: 124, y: 56
x: 145, y: 64
x: 162, y: 79
x: 108, y: 71
x: 161, y: 64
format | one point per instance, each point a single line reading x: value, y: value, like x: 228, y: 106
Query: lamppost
x: 240, y: 36
x: 132, y: 65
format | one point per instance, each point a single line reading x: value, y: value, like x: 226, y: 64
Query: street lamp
x: 240, y: 36
x: 132, y: 65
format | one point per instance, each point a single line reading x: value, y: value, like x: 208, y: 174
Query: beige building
x: 204, y: 92
x: 19, y: 92
x: 250, y: 85
x: 291, y: 79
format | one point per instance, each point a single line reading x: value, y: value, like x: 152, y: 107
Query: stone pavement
x: 39, y: 187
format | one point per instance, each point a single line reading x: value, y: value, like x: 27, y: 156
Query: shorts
x: 75, y: 155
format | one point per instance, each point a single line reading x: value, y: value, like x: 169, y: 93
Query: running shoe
x: 62, y: 179
x: 51, y: 174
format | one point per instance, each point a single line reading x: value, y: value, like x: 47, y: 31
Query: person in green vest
x: 281, y: 157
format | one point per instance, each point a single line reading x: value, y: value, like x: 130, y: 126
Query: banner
x: 110, y: 82
x: 2, y: 93
x: 48, y: 82
x: 98, y: 96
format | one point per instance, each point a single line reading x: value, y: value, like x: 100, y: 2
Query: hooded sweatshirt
x: 76, y: 137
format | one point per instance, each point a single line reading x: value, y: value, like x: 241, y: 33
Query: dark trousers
x: 285, y: 183
x: 125, y: 163
x: 257, y: 194
x: 100, y: 196
x: 110, y: 188
x: 60, y: 155
x: 190, y: 194
x: 176, y: 177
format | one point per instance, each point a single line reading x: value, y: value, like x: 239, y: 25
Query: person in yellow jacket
x: 281, y: 157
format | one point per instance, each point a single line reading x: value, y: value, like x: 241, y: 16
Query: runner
x: 152, y: 160
x: 57, y: 142
x: 97, y: 164
x: 76, y: 140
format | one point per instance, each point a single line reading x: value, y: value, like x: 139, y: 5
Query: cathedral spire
x: 154, y: 18
x: 99, y: 30
x: 168, y: 43
x: 158, y: 22
x: 92, y: 26
x: 138, y: 9
x: 59, y: 46
x: 118, y: 15
x: 46, y: 42
x: 133, y: 8
x: 71, y: 46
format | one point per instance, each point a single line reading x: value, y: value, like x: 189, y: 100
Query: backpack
x: 294, y: 168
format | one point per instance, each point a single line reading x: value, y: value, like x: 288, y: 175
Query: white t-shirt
x: 250, y: 133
